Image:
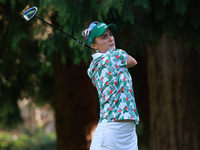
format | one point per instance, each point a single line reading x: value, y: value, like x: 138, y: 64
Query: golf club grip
x: 65, y: 33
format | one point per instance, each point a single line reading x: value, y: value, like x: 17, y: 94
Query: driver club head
x: 29, y: 13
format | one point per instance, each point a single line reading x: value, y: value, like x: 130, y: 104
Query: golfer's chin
x: 108, y: 48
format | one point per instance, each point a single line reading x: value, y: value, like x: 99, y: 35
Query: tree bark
x: 174, y: 86
x: 142, y: 97
x: 75, y: 105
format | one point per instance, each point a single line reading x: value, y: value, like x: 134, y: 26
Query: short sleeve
x: 119, y: 58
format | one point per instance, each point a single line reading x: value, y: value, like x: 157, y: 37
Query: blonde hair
x: 86, y: 32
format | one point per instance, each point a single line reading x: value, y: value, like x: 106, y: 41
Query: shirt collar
x: 96, y: 55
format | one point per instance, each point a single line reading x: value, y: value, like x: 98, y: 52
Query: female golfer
x: 108, y: 71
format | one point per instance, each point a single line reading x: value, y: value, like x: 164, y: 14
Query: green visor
x: 99, y: 29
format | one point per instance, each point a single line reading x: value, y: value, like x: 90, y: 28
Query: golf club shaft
x: 64, y: 33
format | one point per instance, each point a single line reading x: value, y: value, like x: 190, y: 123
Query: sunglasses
x: 92, y: 25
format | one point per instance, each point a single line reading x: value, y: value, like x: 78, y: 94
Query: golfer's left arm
x: 131, y: 62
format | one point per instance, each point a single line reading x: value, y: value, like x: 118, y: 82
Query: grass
x: 29, y: 140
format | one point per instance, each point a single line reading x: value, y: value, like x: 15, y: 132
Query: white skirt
x: 115, y: 136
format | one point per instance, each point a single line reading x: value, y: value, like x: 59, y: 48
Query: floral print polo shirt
x: 113, y: 82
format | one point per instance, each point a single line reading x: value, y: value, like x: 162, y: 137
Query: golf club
x: 30, y: 13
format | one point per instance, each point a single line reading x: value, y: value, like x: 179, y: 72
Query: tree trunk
x: 174, y: 91
x: 140, y: 86
x: 142, y: 97
x: 75, y: 105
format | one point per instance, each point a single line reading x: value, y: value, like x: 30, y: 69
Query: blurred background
x: 47, y: 101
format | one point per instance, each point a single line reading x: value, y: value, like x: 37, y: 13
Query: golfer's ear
x: 93, y: 46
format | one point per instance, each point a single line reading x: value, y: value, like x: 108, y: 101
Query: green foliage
x: 146, y: 19
x: 22, y: 71
x: 181, y: 6
x: 3, y: 1
x: 144, y: 3
x: 36, y: 140
x: 26, y: 62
